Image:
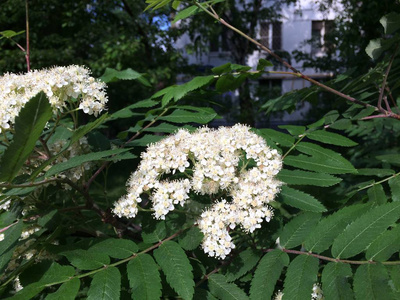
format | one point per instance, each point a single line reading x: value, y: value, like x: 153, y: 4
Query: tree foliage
x: 335, y: 224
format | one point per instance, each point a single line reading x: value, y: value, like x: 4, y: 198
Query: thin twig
x: 27, y: 53
x: 337, y: 260
x: 385, y: 79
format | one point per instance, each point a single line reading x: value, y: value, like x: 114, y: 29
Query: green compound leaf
x: 81, y: 159
x: 28, y: 126
x: 359, y: 234
x: 300, y: 277
x: 394, y: 184
x: 223, y: 290
x: 298, y: 177
x: 280, y: 138
x: 371, y: 282
x: 186, y: 13
x: 331, y: 138
x: 111, y: 75
x: 300, y: 200
x: 297, y: 230
x: 384, y: 246
x: 323, y: 235
x: 335, y: 281
x: 67, y: 291
x: 394, y: 272
x: 326, y: 154
x: 242, y: 264
x: 184, y: 116
x: 86, y: 259
x: 106, y: 285
x: 376, y: 194
x: 191, y: 238
x: 116, y: 248
x: 316, y: 164
x: 176, y: 267
x: 144, y: 278
x: 267, y: 274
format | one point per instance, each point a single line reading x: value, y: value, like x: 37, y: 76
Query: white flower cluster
x: 58, y: 83
x: 317, y: 293
x: 232, y: 160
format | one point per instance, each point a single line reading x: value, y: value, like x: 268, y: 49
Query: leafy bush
x: 235, y: 213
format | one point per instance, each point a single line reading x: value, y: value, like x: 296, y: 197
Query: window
x: 319, y: 29
x: 271, y: 35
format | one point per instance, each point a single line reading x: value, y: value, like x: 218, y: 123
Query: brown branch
x: 385, y: 79
x: 27, y: 53
x: 337, y: 260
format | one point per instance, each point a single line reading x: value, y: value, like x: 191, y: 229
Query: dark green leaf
x: 221, y: 69
x: 317, y: 164
x: 144, y: 278
x: 297, y: 230
x: 331, y: 138
x: 394, y: 184
x: 10, y: 33
x: 187, y: 12
x: 326, y: 154
x: 359, y: 234
x: 279, y: 137
x: 300, y: 200
x: 55, y: 274
x: 85, y: 259
x: 297, y: 177
x: 391, y: 22
x: 116, y: 248
x: 11, y: 236
x: 300, y: 277
x: 106, y: 285
x: 263, y: 63
x: 267, y: 274
x: 393, y: 159
x: 223, y: 290
x: 371, y: 282
x: 184, y: 116
x: 67, y: 291
x: 81, y: 159
x: 201, y: 294
x: 153, y: 231
x: 384, y: 246
x: 191, y: 238
x: 335, y: 281
x: 176, y: 267
x: 294, y: 129
x: 376, y: 194
x: 28, y: 126
x: 111, y: 75
x: 242, y: 264
x: 323, y: 235
x: 375, y: 172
